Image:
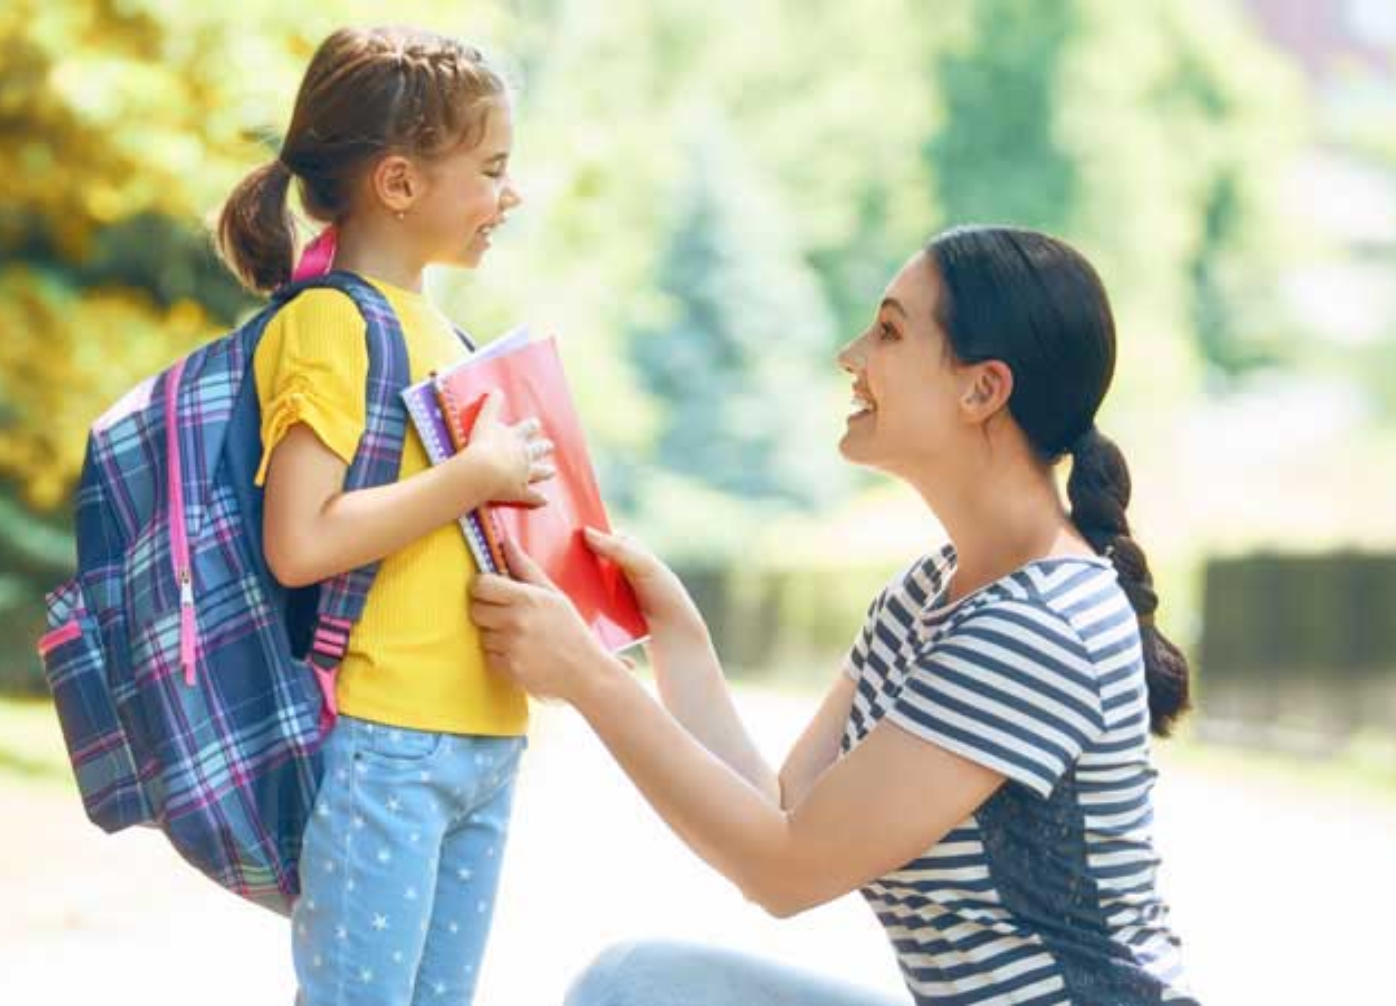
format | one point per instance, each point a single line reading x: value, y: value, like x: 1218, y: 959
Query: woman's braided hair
x: 1099, y: 491
x: 1035, y: 304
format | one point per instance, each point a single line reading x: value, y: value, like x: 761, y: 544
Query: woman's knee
x: 632, y: 974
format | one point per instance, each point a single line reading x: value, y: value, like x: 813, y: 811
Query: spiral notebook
x: 529, y: 374
x: 422, y: 407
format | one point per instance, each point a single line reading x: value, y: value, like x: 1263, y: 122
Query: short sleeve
x: 857, y: 654
x: 311, y: 367
x: 1012, y: 687
x: 893, y: 611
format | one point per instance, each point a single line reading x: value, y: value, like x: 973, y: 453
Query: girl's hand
x: 663, y: 600
x: 532, y: 632
x: 513, y: 458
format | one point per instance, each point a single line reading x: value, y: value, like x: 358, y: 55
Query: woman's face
x: 912, y: 404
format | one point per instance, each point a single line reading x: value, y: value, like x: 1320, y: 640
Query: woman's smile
x: 862, y: 404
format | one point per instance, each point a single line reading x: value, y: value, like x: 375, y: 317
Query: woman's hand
x: 532, y: 633
x: 513, y: 458
x: 663, y: 600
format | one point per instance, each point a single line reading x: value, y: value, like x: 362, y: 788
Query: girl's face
x: 469, y: 193
x: 913, y: 405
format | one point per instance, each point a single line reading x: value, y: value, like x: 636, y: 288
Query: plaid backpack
x: 194, y: 691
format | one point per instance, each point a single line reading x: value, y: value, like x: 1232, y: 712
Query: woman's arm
x: 818, y: 746
x: 686, y: 668
x: 313, y: 529
x: 694, y: 691
x: 873, y: 811
x: 889, y: 801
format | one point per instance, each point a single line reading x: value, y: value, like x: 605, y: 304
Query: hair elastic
x: 318, y: 257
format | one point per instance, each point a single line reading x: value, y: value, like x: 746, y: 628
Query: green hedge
x: 21, y: 625
x: 1305, y: 640
x: 765, y: 618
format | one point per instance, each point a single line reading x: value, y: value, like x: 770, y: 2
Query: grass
x: 31, y: 744
x: 1363, y: 768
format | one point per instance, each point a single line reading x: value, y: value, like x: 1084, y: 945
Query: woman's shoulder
x: 919, y: 583
x: 1052, y: 607
x: 1082, y: 592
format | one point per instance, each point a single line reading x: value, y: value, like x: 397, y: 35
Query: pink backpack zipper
x: 179, y: 535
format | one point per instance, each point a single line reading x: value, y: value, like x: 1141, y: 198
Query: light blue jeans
x: 663, y: 973
x: 400, y: 865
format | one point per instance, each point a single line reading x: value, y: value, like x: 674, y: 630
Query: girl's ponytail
x: 1099, y: 490
x: 255, y: 231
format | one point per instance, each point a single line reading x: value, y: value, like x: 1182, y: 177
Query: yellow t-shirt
x: 414, y: 658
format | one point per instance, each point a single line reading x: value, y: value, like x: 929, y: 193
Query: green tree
x: 997, y: 159
x: 1153, y: 135
x: 740, y: 359
x: 123, y: 125
x: 701, y: 271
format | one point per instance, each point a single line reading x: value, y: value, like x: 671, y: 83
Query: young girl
x: 400, y: 139
x: 980, y: 768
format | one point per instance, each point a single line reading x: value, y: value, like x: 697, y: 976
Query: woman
x: 980, y: 770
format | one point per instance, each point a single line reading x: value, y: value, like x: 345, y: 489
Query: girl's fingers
x: 489, y: 411
x: 494, y: 590
x: 541, y: 473
x: 490, y: 617
x: 493, y: 642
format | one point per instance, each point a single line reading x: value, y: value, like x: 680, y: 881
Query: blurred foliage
x: 1363, y: 123
x: 31, y: 746
x: 1152, y: 136
x: 716, y: 193
x: 747, y: 327
x: 59, y: 361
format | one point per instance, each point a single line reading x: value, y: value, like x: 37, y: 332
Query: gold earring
x: 401, y: 214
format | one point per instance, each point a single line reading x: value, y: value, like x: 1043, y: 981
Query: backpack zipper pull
x: 186, y: 624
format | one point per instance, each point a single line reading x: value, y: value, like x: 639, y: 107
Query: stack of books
x: 528, y: 373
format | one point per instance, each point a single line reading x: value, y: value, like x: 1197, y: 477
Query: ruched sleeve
x: 311, y: 367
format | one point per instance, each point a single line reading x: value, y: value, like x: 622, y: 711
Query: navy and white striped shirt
x: 1046, y: 894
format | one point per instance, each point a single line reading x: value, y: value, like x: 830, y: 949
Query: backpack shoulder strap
x: 376, y: 462
x: 380, y: 448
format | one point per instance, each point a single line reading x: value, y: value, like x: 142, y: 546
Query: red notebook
x: 533, y: 384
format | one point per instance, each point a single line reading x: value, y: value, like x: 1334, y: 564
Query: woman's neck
x: 378, y: 251
x: 999, y: 517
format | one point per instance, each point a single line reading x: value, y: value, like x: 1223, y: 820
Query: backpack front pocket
x: 98, y: 747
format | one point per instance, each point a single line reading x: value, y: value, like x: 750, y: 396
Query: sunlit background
x: 716, y: 193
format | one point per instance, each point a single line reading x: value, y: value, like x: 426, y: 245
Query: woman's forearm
x: 728, y: 820
x: 694, y: 690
